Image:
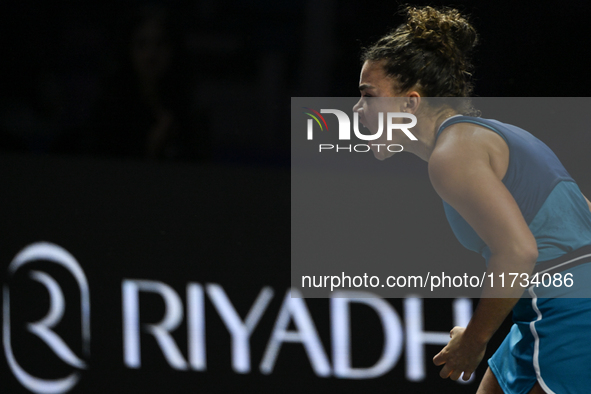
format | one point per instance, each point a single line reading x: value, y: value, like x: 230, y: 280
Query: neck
x: 426, y: 132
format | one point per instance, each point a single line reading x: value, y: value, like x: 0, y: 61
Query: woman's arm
x: 461, y: 172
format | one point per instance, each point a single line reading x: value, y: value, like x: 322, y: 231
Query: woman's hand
x: 460, y: 355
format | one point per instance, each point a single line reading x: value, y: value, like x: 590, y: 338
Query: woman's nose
x: 357, y: 106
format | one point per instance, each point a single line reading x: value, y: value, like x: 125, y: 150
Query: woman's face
x: 374, y: 83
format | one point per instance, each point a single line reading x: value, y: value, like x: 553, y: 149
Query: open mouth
x: 362, y: 123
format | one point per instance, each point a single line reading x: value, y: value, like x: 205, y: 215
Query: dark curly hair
x: 430, y: 50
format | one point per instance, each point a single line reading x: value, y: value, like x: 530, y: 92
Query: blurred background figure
x: 146, y: 109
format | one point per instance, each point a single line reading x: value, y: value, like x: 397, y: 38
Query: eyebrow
x: 365, y: 87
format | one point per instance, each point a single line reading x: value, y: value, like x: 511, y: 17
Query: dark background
x: 177, y: 224
x: 61, y: 60
x: 237, y: 65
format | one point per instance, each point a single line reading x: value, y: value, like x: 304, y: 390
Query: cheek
x: 376, y: 122
x: 371, y: 118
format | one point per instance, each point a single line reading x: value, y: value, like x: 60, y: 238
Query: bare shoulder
x: 465, y: 146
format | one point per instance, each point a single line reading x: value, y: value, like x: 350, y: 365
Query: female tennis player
x: 506, y: 196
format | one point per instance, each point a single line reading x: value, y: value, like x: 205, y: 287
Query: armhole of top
x: 464, y: 120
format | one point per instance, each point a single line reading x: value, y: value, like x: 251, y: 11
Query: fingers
x: 455, y: 375
x: 446, y: 371
x: 439, y: 359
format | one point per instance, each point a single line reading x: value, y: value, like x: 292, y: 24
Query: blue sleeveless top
x: 549, y: 199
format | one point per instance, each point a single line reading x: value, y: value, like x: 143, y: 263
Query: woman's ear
x: 412, y: 102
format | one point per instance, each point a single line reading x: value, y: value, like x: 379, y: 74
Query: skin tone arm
x: 461, y: 173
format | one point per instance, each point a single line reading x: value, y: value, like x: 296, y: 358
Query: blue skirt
x: 550, y: 340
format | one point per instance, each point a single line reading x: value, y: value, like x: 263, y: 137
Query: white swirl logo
x: 43, y: 328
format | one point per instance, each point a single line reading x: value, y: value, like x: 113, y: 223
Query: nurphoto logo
x: 344, y: 133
